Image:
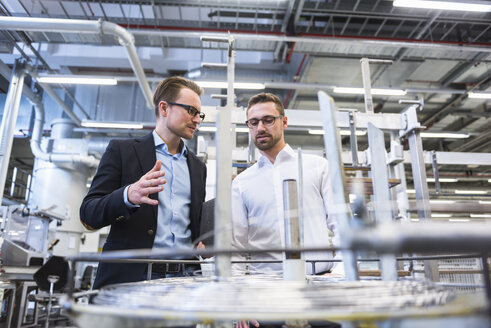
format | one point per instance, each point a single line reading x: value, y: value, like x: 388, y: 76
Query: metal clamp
x: 409, y: 121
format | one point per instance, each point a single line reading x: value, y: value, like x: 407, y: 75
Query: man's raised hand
x: 150, y: 183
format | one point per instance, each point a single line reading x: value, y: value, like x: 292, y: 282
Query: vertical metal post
x: 381, y: 193
x: 487, y: 278
x: 410, y: 121
x: 292, y: 224
x: 28, y: 187
x: 293, y: 265
x: 397, y: 172
x: 340, y: 210
x: 300, y: 193
x: 436, y: 176
x: 52, y: 280
x: 251, y: 155
x: 9, y: 119
x: 367, y: 85
x: 12, y: 184
x: 223, y: 212
x: 353, y: 139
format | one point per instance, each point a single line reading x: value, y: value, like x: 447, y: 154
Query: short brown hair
x: 265, y: 97
x: 168, y: 90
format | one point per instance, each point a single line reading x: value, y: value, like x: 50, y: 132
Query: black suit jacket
x: 123, y: 163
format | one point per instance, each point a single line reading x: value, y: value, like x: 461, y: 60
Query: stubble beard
x: 182, y: 133
x: 268, y: 144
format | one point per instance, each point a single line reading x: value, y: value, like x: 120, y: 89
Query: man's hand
x: 148, y: 184
x: 245, y: 324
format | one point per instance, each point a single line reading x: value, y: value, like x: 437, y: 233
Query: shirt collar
x: 159, y: 143
x: 285, y: 153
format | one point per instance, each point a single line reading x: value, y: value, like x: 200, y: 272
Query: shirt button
x: 150, y: 232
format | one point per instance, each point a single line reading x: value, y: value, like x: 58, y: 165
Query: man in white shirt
x: 257, y: 193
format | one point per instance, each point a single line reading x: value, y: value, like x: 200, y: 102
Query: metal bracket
x: 419, y: 102
x: 409, y: 121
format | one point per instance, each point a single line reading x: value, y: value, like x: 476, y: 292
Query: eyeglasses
x: 267, y: 121
x: 190, y: 109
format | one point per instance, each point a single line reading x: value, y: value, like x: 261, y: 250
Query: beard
x: 267, y: 143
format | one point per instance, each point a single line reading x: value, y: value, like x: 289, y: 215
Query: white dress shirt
x: 257, y: 209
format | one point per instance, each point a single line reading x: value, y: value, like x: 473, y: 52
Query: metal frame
x: 381, y: 193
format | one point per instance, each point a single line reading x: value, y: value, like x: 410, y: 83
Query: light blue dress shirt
x: 174, y: 201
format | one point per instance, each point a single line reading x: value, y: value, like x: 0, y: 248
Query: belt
x: 164, y: 268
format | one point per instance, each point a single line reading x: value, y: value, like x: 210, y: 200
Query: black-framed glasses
x: 267, y: 120
x: 190, y: 109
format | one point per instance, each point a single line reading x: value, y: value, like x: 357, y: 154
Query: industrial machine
x: 391, y: 302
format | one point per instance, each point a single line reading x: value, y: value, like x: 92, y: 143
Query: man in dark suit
x: 150, y: 190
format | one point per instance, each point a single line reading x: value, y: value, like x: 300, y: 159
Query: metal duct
x: 37, y: 131
x: 81, y: 26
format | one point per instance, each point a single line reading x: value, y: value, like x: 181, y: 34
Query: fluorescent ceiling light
x: 375, y: 91
x: 489, y: 180
x: 207, y: 129
x: 441, y: 215
x: 415, y: 220
x: 410, y: 191
x: 444, y: 135
x: 214, y: 129
x: 480, y: 215
x: 471, y: 192
x: 341, y: 132
x: 458, y: 220
x: 111, y: 125
x: 444, y: 5
x: 224, y: 85
x: 484, y: 202
x: 438, y: 201
x: 443, y: 180
x: 77, y: 80
x: 479, y: 95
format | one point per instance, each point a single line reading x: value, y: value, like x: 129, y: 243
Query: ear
x: 284, y: 122
x: 163, y: 107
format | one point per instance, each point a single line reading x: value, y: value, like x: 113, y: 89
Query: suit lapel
x: 145, y: 152
x: 192, y: 176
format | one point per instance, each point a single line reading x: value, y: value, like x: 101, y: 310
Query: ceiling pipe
x: 125, y: 38
x: 37, y: 131
x: 312, y: 38
x: 38, y: 56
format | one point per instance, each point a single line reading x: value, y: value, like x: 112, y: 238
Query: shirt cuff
x: 126, y: 201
